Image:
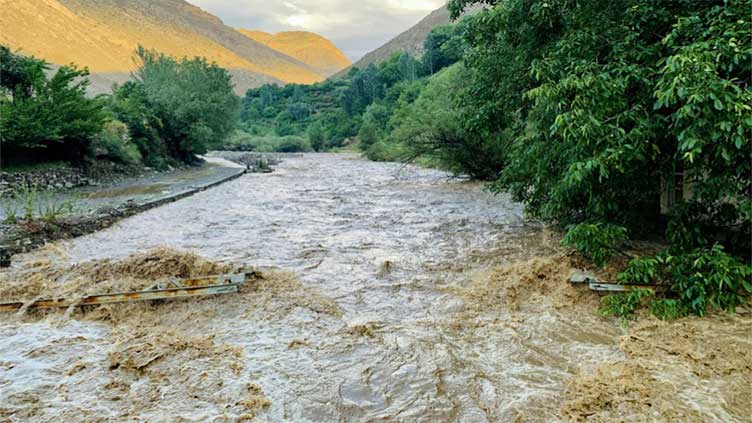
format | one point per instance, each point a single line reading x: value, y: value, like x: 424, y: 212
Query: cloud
x: 357, y: 27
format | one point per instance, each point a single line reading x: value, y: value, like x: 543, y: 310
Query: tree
x: 129, y: 104
x: 193, y: 100
x: 597, y: 102
x: 443, y: 47
x: 45, y: 117
x: 316, y: 136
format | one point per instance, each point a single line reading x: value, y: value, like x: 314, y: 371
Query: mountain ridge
x: 409, y: 41
x: 103, y: 34
x: 308, y: 47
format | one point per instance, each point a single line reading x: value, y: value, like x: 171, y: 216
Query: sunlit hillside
x: 311, y: 49
x: 102, y: 35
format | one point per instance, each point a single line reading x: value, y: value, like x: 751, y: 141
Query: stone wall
x: 63, y: 178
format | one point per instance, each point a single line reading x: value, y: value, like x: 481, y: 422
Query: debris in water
x: 195, y: 287
x: 47, y: 275
x: 682, y: 371
x: 538, y: 280
x: 367, y: 330
x: 255, y: 402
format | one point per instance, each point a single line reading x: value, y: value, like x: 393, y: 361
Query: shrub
x: 114, y: 143
x: 243, y: 141
x: 383, y: 151
x: 702, y: 278
x: 290, y: 144
x: 316, y: 137
x: 45, y: 116
x: 595, y: 241
x: 625, y: 305
x: 187, y: 105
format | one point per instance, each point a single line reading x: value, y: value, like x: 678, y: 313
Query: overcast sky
x: 355, y: 26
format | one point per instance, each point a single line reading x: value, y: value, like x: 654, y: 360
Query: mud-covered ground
x: 401, y: 295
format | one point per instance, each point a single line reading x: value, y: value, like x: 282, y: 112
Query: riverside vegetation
x: 171, y: 111
x: 585, y: 112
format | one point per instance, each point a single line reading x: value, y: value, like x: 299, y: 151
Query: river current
x: 383, y: 241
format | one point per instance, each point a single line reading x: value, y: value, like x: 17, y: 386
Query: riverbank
x: 88, y: 209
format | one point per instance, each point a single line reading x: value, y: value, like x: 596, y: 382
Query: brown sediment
x: 159, y: 356
x: 169, y: 365
x: 255, y: 402
x: 687, y: 371
x: 46, y: 276
x: 542, y: 281
x: 691, y: 370
x: 367, y: 330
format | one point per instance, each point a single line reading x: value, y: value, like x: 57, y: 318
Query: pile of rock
x: 62, y: 178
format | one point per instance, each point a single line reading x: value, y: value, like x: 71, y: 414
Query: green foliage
x: 243, y: 141
x: 368, y: 135
x: 316, y: 137
x: 51, y: 210
x: 130, y: 105
x: 338, y: 108
x: 668, y: 308
x: 290, y: 110
x: 430, y: 126
x: 444, y: 46
x: 174, y: 110
x: 625, y: 305
x: 45, y: 117
x: 704, y: 86
x: 27, y: 204
x: 114, y: 144
x: 702, y: 278
x: 598, y: 102
x: 291, y: 144
x: 595, y: 241
x: 25, y: 197
x: 177, y: 108
x: 384, y: 151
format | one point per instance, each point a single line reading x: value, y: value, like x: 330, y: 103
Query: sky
x: 355, y: 26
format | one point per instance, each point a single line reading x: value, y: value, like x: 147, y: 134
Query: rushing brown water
x: 378, y: 331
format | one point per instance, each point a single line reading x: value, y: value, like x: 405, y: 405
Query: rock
x: 4, y: 256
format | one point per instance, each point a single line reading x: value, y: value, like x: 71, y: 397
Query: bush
x: 595, y: 241
x: 316, y: 137
x: 114, y: 144
x: 177, y: 108
x: 702, y: 278
x: 368, y: 136
x: 45, y: 117
x: 625, y: 305
x: 290, y: 144
x: 243, y: 141
x: 382, y: 151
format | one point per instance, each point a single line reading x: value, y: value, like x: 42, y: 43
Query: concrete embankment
x: 100, y: 208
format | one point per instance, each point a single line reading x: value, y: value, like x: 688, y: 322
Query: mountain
x: 312, y: 49
x: 410, y: 41
x: 103, y: 34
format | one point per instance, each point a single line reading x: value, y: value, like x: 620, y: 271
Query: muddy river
x: 379, y: 318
